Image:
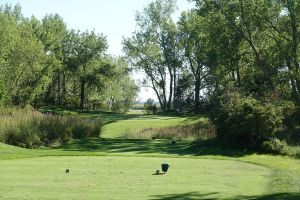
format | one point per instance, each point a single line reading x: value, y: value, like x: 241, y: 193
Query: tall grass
x: 198, y: 131
x: 29, y: 128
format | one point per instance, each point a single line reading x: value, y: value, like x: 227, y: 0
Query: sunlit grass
x: 128, y: 178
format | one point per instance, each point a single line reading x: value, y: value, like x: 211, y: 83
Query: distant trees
x: 86, y: 50
x: 120, y: 90
x: 170, y: 54
x: 154, y: 49
x: 44, y: 63
x: 150, y: 106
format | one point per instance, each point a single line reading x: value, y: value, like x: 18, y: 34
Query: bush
x: 30, y: 129
x: 246, y: 122
x: 150, y: 107
x: 277, y: 146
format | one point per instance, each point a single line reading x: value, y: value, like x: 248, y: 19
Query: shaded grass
x: 213, y: 196
x: 143, y: 146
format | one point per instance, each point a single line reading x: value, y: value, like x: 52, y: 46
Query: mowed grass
x: 117, y: 168
x: 277, y: 177
x: 119, y: 128
x: 128, y: 178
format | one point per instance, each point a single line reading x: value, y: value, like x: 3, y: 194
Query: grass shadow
x: 215, y: 196
x: 111, y: 117
x: 187, y: 196
x: 142, y: 146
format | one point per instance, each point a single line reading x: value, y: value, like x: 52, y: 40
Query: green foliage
x: 195, y: 47
x: 292, y: 117
x: 246, y: 122
x: 184, y: 99
x: 31, y: 129
x: 42, y: 63
x: 277, y: 146
x: 120, y: 90
x: 154, y: 49
x: 3, y: 94
x: 22, y: 58
x: 150, y: 106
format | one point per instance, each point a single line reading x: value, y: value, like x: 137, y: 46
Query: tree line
x: 248, y: 46
x: 42, y: 62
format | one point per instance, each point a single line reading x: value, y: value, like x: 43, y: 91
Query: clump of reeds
x: 197, y: 131
x: 30, y: 128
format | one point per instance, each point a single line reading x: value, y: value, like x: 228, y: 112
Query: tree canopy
x: 42, y: 62
x: 219, y: 45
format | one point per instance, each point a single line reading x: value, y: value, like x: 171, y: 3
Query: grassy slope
x: 281, y: 173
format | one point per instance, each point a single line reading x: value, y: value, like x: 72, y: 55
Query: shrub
x: 150, y: 107
x: 277, y: 146
x: 247, y: 122
x: 27, y: 128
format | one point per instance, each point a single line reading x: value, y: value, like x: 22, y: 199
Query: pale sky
x: 113, y: 18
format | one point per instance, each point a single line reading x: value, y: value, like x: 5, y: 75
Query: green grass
x: 118, y: 168
x: 119, y: 128
x: 127, y: 177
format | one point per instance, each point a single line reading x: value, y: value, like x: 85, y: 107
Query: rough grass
x: 200, y: 130
x: 30, y: 128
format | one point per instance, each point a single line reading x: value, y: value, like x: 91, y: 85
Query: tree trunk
x: 157, y: 94
x: 171, y: 90
x: 164, y: 98
x: 64, y: 89
x: 174, y: 88
x: 82, y: 93
x: 260, y: 61
x: 293, y: 82
x: 59, y: 88
x: 238, y: 77
x: 295, y: 40
x: 197, y: 96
